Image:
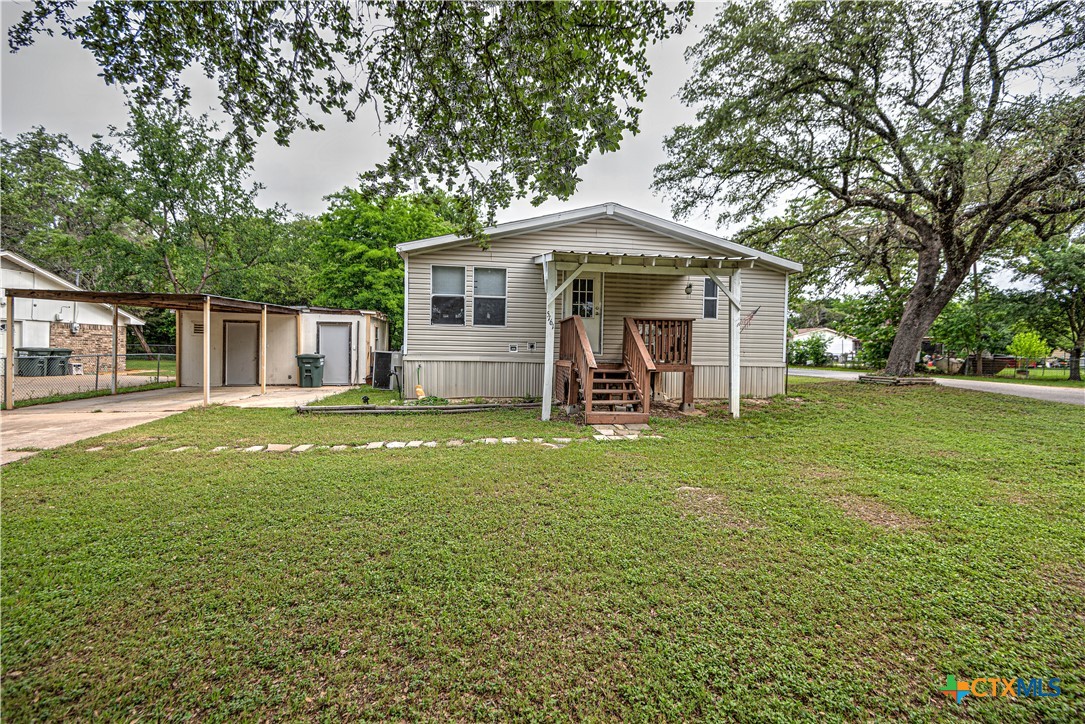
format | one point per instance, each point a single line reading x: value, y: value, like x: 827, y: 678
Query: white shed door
x: 333, y: 341
x: 242, y: 353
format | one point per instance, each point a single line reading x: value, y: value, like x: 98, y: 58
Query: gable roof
x: 607, y: 211
x: 58, y: 280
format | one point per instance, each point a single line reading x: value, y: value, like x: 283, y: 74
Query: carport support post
x: 550, y: 284
x: 263, y: 349
x: 206, y: 351
x: 113, y: 377
x: 9, y: 356
x: 177, y: 346
x: 734, y: 361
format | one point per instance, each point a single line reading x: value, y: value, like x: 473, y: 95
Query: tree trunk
x: 1075, y: 363
x: 928, y: 298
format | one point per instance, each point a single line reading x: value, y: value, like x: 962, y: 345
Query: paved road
x: 47, y: 426
x: 1068, y: 395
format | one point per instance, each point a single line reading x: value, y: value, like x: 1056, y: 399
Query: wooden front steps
x: 614, y: 397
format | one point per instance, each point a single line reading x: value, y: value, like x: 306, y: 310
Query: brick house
x: 84, y: 328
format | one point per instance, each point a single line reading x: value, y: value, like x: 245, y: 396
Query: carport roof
x: 189, y: 302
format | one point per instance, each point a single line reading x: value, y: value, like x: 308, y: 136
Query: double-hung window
x: 711, y: 299
x: 447, y: 295
x: 491, y: 293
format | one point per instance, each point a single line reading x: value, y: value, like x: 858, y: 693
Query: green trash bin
x: 31, y: 361
x: 311, y: 370
x: 58, y: 361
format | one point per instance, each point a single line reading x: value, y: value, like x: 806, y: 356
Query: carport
x: 205, y: 303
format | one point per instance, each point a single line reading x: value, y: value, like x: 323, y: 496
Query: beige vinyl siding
x: 623, y: 295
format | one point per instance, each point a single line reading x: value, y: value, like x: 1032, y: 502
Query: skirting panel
x: 452, y: 379
x: 456, y: 379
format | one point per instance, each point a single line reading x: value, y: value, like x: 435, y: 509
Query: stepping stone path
x: 602, y: 433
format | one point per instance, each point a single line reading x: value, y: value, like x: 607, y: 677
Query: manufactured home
x: 604, y: 308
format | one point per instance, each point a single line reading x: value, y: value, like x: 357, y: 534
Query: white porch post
x: 113, y: 378
x: 734, y: 359
x: 206, y: 351
x: 550, y: 283
x: 9, y: 356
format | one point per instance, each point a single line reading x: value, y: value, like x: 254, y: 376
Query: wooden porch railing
x: 639, y: 362
x: 668, y: 341
x: 576, y: 348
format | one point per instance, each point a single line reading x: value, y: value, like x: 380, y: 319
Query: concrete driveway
x: 48, y: 426
x: 1069, y: 395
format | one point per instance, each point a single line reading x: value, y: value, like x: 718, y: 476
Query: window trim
x: 705, y: 298
x: 475, y: 295
x: 462, y: 295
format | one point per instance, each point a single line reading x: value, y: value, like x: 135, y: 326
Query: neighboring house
x: 624, y: 303
x: 84, y: 328
x: 839, y: 344
x: 346, y: 337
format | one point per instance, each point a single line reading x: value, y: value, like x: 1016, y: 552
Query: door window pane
x: 583, y: 295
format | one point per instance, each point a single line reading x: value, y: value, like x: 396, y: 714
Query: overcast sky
x: 54, y: 84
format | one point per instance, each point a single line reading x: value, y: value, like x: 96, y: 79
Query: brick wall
x: 92, y: 339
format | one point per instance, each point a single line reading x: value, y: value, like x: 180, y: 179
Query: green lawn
x: 167, y: 366
x: 354, y: 396
x: 829, y: 556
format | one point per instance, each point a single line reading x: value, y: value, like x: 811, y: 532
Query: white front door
x: 584, y: 297
x: 242, y: 353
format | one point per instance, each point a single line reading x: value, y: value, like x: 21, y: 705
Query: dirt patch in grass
x: 1066, y: 576
x: 710, y: 506
x: 875, y: 513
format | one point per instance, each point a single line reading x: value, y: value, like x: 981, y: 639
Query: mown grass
x: 829, y: 556
x: 164, y: 367
x: 354, y: 396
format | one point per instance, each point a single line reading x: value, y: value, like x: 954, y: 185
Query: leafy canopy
x: 355, y: 249
x: 491, y: 100
x: 910, y: 137
x: 1028, y: 345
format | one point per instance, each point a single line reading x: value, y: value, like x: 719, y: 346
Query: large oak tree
x: 490, y: 100
x: 938, y: 130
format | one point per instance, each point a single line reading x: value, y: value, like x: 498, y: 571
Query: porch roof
x: 645, y: 263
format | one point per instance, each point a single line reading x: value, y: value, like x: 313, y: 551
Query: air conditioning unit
x: 387, y: 369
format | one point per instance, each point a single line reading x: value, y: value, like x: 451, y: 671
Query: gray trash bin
x: 32, y: 361
x: 58, y: 361
x: 311, y: 370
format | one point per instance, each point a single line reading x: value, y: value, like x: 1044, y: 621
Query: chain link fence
x: 55, y: 377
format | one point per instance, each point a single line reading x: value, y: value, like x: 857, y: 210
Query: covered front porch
x: 625, y: 321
